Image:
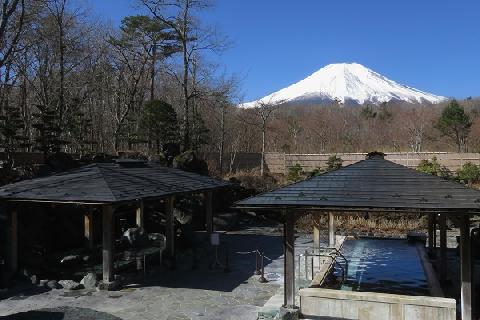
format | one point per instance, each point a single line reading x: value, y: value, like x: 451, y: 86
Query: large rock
x: 89, y: 281
x: 136, y: 236
x: 53, y: 284
x: 110, y: 286
x: 70, y: 284
x: 189, y: 162
x: 71, y: 260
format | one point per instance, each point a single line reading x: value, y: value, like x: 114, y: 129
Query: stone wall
x: 317, y: 302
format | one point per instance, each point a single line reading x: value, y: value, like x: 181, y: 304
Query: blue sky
x: 432, y: 45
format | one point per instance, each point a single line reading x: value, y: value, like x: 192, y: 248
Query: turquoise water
x: 389, y: 266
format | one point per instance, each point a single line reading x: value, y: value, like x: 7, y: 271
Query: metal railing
x: 323, y: 252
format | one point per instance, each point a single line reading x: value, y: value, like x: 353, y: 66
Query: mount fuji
x: 348, y: 84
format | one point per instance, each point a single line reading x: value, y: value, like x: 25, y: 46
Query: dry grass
x: 386, y: 224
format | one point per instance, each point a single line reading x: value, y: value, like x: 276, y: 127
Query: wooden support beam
x: 13, y: 254
x: 170, y: 226
x: 209, y: 211
x: 331, y: 229
x: 443, y: 247
x: 88, y: 230
x: 108, y: 227
x: 430, y: 231
x: 140, y: 215
x: 289, y: 260
x: 316, y: 237
x: 466, y: 269
x: 316, y: 247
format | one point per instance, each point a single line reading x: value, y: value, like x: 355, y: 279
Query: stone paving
x: 180, y: 294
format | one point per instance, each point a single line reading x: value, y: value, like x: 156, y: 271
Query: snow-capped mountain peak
x: 347, y: 83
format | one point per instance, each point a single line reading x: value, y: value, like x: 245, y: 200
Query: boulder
x: 110, y: 286
x: 136, y: 236
x: 53, y: 284
x: 89, y: 281
x: 42, y: 283
x: 189, y: 162
x: 70, y: 284
x: 71, y: 260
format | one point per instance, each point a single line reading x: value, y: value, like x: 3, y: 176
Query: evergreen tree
x: 455, y: 124
x: 49, y: 131
x: 159, y: 124
x: 200, y: 133
x: 11, y: 125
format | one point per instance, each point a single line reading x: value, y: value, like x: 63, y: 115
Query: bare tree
x: 191, y: 38
x: 265, y: 110
x: 12, y: 13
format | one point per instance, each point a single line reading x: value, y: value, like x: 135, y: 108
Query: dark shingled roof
x: 109, y: 183
x: 372, y: 183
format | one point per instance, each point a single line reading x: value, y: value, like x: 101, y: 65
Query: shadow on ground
x: 241, y: 260
x: 61, y: 313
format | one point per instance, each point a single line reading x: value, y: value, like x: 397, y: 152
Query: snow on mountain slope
x: 347, y: 83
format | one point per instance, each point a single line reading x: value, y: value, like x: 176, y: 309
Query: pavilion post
x: 108, y: 242
x: 316, y: 245
x: 170, y: 226
x: 289, y: 260
x: 466, y: 268
x: 443, y: 247
x: 88, y: 229
x: 140, y: 215
x: 430, y: 231
x: 209, y: 211
x: 331, y: 230
x: 13, y: 256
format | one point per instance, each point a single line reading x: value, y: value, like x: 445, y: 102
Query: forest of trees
x: 70, y: 82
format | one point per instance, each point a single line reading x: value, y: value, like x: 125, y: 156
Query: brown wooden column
x: 209, y: 211
x: 466, y: 268
x: 289, y: 260
x: 13, y: 248
x: 316, y: 237
x: 170, y: 226
x: 430, y: 231
x: 108, y: 242
x: 88, y: 230
x: 140, y: 215
x: 443, y: 247
x: 331, y: 229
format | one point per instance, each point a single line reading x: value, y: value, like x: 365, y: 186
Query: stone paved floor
x: 180, y: 294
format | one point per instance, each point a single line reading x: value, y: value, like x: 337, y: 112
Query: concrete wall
x: 316, y: 303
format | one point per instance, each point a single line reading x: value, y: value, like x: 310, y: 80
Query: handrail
x: 333, y: 253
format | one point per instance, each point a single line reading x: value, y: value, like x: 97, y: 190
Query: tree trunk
x: 152, y: 72
x: 262, y: 164
x: 222, y: 139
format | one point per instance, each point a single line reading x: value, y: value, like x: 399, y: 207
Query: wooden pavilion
x: 107, y: 186
x: 377, y: 185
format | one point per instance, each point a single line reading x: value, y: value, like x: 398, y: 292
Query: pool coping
x: 327, y: 265
x: 433, y: 283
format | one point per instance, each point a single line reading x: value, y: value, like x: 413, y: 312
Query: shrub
x: 434, y: 168
x: 469, y: 173
x: 295, y: 173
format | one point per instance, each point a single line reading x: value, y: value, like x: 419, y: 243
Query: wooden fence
x: 309, y: 162
x: 25, y: 157
x: 279, y: 163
